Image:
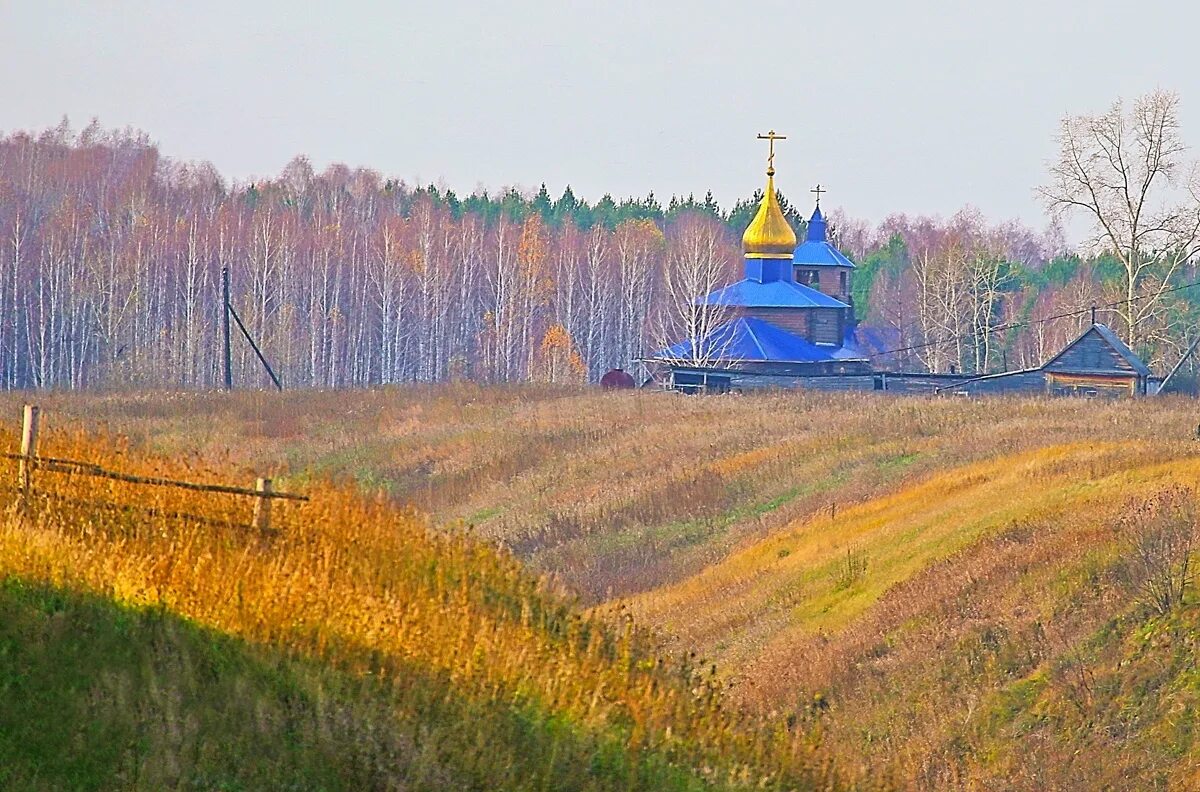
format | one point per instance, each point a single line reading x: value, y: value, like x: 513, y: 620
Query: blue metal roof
x: 816, y: 227
x: 821, y: 254
x: 751, y: 340
x: 773, y: 294
x: 851, y: 349
x: 816, y: 250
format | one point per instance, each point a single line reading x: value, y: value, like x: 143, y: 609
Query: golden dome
x: 769, y: 235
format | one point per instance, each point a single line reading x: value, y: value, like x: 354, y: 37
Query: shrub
x: 1161, y: 532
x: 850, y: 570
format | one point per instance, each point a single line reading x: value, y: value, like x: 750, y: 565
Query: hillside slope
x: 152, y: 639
x: 972, y: 627
x: 615, y: 493
x: 100, y: 696
x: 930, y: 591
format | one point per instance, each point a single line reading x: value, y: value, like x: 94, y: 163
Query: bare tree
x: 639, y: 244
x: 985, y: 264
x: 697, y: 265
x: 941, y: 277
x: 1125, y: 172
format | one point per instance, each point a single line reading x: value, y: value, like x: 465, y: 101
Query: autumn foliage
x: 111, y: 257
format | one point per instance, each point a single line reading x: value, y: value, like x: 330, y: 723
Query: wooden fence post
x: 29, y: 439
x: 262, y: 504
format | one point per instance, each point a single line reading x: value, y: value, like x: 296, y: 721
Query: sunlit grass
x: 552, y: 473
x: 983, y: 531
x: 462, y: 639
x: 902, y: 534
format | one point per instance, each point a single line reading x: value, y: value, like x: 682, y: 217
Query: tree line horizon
x: 110, y: 260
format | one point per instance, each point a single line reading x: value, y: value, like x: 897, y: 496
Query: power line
x: 1032, y: 322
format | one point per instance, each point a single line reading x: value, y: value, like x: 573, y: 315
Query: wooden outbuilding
x: 1097, y: 363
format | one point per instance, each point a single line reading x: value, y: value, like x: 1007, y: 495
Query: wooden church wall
x: 789, y: 319
x: 827, y: 326
x: 818, y: 325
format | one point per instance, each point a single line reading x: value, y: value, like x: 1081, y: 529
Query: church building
x: 790, y: 315
x: 790, y: 323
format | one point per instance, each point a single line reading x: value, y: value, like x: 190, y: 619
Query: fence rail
x: 30, y: 461
x: 54, y: 465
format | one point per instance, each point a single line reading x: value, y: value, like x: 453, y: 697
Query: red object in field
x: 617, y: 380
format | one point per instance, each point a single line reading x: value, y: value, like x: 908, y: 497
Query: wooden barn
x: 1097, y: 362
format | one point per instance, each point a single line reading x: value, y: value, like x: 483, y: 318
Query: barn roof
x: 772, y: 294
x: 1114, y: 341
x: 748, y: 339
x: 1124, y: 351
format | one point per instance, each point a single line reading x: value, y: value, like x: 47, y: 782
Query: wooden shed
x: 1098, y: 363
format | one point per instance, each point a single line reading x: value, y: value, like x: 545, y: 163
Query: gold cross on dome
x: 771, y: 137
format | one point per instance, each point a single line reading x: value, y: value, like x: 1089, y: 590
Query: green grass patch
x: 99, y: 696
x: 897, y: 463
x: 484, y: 514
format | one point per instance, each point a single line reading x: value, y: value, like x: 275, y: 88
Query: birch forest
x: 111, y: 257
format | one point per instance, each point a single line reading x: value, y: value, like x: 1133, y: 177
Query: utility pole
x: 226, y: 315
x: 225, y: 326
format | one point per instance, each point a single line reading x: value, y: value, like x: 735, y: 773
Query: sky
x: 916, y: 107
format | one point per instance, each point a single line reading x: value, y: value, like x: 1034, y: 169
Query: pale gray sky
x: 919, y: 107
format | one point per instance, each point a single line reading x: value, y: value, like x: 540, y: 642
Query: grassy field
x: 925, y: 592
x: 152, y: 639
x: 614, y: 493
x: 99, y: 695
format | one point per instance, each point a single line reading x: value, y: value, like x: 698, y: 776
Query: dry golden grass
x: 985, y: 528
x: 431, y: 615
x: 976, y: 580
x: 614, y: 493
x: 787, y: 584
